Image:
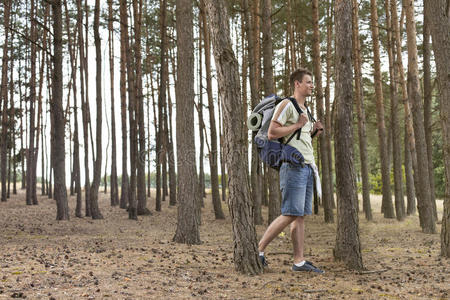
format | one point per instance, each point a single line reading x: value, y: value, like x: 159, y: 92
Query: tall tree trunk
x: 273, y: 176
x: 395, y: 129
x: 410, y: 149
x: 201, y: 126
x: 4, y: 98
x: 244, y: 234
x: 171, y: 152
x: 76, y: 145
x: 125, y: 186
x: 12, y: 124
x: 256, y: 187
x: 98, y: 159
x: 187, y: 226
x: 132, y: 207
x: 56, y: 111
x: 290, y: 32
x: 31, y: 171
x: 422, y: 185
x: 326, y: 180
x: 438, y: 13
x: 327, y: 97
x: 223, y: 181
x: 161, y: 99
x: 114, y: 184
x: 348, y: 247
x: 427, y: 117
x: 359, y: 95
x: 213, y: 160
x: 141, y: 196
x: 386, y: 206
x: 84, y: 108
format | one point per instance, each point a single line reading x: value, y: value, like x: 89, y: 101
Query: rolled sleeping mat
x: 254, y: 121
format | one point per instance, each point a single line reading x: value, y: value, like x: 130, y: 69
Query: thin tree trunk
x: 290, y: 32
x: 13, y: 124
x: 188, y: 225
x: 359, y: 95
x: 171, y: 152
x: 213, y: 160
x: 326, y: 180
x: 438, y: 13
x: 201, y: 126
x: 4, y: 98
x: 348, y: 247
x: 395, y: 130
x: 95, y: 211
x: 125, y: 188
x: 327, y: 98
x: 386, y: 206
x: 244, y: 234
x: 255, y: 162
x: 56, y: 110
x: 427, y: 95
x: 84, y: 108
x: 422, y: 183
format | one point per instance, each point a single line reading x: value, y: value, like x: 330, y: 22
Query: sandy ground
x: 117, y: 258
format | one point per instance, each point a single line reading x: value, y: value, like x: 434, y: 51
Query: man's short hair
x: 297, y: 75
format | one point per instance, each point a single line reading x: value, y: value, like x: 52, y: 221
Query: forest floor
x: 117, y: 258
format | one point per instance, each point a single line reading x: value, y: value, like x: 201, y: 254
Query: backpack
x: 273, y: 152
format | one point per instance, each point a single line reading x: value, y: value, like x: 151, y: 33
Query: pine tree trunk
x: 327, y: 98
x: 170, y: 154
x: 213, y: 159
x: 273, y: 176
x: 95, y: 211
x: 114, y: 184
x: 4, y: 99
x: 410, y: 150
x: 348, y: 248
x: 141, y: 191
x: 361, y: 115
x: 396, y: 145
x: 58, y: 122
x: 244, y: 234
x: 13, y: 124
x: 76, y: 145
x: 438, y: 13
x: 326, y: 180
x: 256, y: 187
x: 427, y: 95
x: 125, y: 186
x: 201, y: 127
x: 187, y: 226
x: 84, y: 108
x: 422, y: 183
x: 386, y: 206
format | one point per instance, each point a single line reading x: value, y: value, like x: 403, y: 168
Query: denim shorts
x: 296, y: 184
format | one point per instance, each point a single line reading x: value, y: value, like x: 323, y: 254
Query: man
x: 296, y: 182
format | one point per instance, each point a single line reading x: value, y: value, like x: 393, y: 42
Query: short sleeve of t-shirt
x: 282, y: 112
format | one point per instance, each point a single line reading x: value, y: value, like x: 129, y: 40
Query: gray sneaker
x: 307, y: 267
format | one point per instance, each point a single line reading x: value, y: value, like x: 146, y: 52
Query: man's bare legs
x: 274, y: 229
x: 298, y: 238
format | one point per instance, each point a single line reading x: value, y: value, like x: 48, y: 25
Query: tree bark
x: 244, y: 234
x: 427, y: 117
x: 359, y: 95
x: 326, y: 180
x: 4, y: 98
x: 348, y: 247
x: 57, y: 113
x: 422, y: 183
x: 187, y: 227
x: 396, y: 145
x: 125, y: 186
x: 114, y: 184
x: 95, y: 211
x: 213, y: 160
x: 438, y: 13
x: 386, y: 206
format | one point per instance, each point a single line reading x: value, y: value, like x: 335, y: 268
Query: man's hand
x: 317, y: 128
x: 302, y: 120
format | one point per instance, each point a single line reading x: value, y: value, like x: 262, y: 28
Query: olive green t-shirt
x: 286, y: 115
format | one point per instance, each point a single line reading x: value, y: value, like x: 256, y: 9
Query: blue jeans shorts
x: 296, y: 184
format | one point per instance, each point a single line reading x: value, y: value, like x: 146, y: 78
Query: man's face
x: 306, y: 86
